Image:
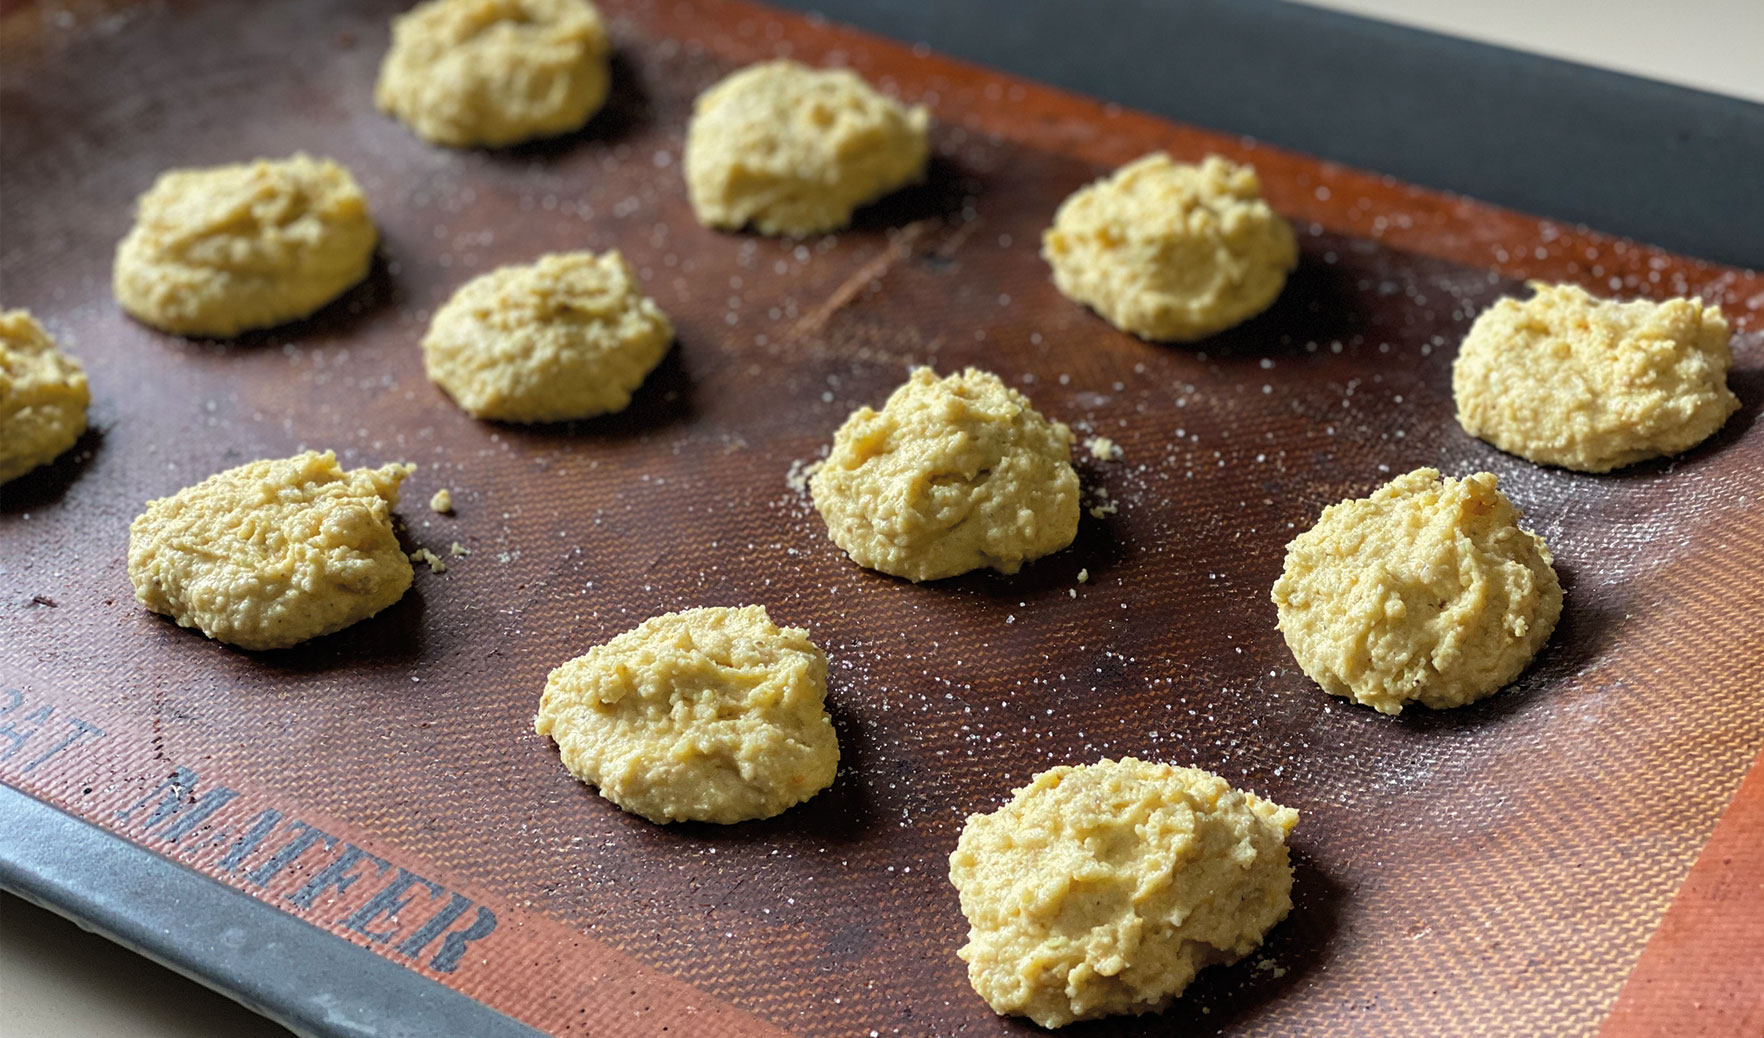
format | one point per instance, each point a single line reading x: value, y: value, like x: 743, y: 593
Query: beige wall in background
x: 1715, y: 45
x: 57, y: 982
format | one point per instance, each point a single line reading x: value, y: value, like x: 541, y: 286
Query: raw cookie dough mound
x: 1102, y: 889
x: 43, y: 396
x: 1169, y: 251
x: 710, y: 715
x: 793, y: 150
x: 570, y: 336
x: 1590, y: 384
x: 487, y: 73
x: 1426, y: 592
x: 951, y: 475
x: 272, y: 553
x: 224, y: 250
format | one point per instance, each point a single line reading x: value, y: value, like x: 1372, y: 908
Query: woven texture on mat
x: 1503, y: 862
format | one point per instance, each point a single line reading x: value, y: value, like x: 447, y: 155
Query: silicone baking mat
x: 1505, y: 862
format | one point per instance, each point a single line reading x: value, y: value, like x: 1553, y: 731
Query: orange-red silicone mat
x: 1496, y: 867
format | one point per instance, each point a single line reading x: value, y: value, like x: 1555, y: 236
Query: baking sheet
x: 1506, y: 861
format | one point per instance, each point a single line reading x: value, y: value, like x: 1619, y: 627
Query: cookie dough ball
x: 1590, y: 384
x: 793, y: 150
x: 1169, y: 251
x: 487, y: 73
x: 224, y: 250
x: 1101, y: 890
x: 43, y: 396
x: 570, y: 336
x: 1426, y: 592
x: 710, y: 715
x: 951, y: 475
x: 272, y: 553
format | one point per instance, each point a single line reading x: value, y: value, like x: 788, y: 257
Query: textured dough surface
x: 793, y: 150
x: 272, y: 553
x: 1428, y: 591
x: 711, y: 715
x: 952, y: 475
x: 569, y: 336
x: 1591, y: 384
x: 487, y: 73
x: 43, y: 396
x: 1102, y: 889
x: 1170, y: 251
x: 224, y: 250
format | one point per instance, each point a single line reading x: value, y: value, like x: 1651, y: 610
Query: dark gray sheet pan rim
x: 1661, y: 164
x: 307, y: 980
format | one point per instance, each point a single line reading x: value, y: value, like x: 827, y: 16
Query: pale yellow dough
x: 570, y: 336
x: 272, y: 553
x: 224, y: 250
x: 1426, y: 592
x: 1103, y: 889
x: 43, y: 396
x: 1169, y: 251
x: 710, y: 715
x: 952, y: 475
x: 488, y: 73
x: 1565, y: 379
x: 792, y: 150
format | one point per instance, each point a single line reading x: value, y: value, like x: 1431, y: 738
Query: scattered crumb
x: 1105, y: 508
x: 800, y: 471
x: 442, y: 501
x: 459, y: 549
x: 1083, y: 575
x: 434, y: 561
x: 1103, y: 449
x: 1072, y: 591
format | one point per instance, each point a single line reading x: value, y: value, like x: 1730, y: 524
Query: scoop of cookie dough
x: 1426, y: 592
x: 224, y: 250
x: 1169, y: 251
x: 1565, y: 379
x: 269, y: 554
x: 1103, y: 889
x: 710, y: 715
x: 951, y: 475
x: 793, y: 150
x: 570, y: 336
x: 488, y: 73
x: 43, y: 396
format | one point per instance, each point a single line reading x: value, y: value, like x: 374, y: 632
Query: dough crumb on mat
x: 569, y: 336
x: 489, y: 73
x: 442, y: 502
x: 712, y: 715
x: 435, y: 563
x: 1567, y: 379
x: 1426, y: 592
x: 1169, y: 251
x: 457, y: 548
x: 227, y: 249
x: 272, y: 553
x: 1102, y: 889
x: 1103, y: 449
x: 952, y: 475
x: 792, y: 150
x: 43, y: 396
x: 800, y: 473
